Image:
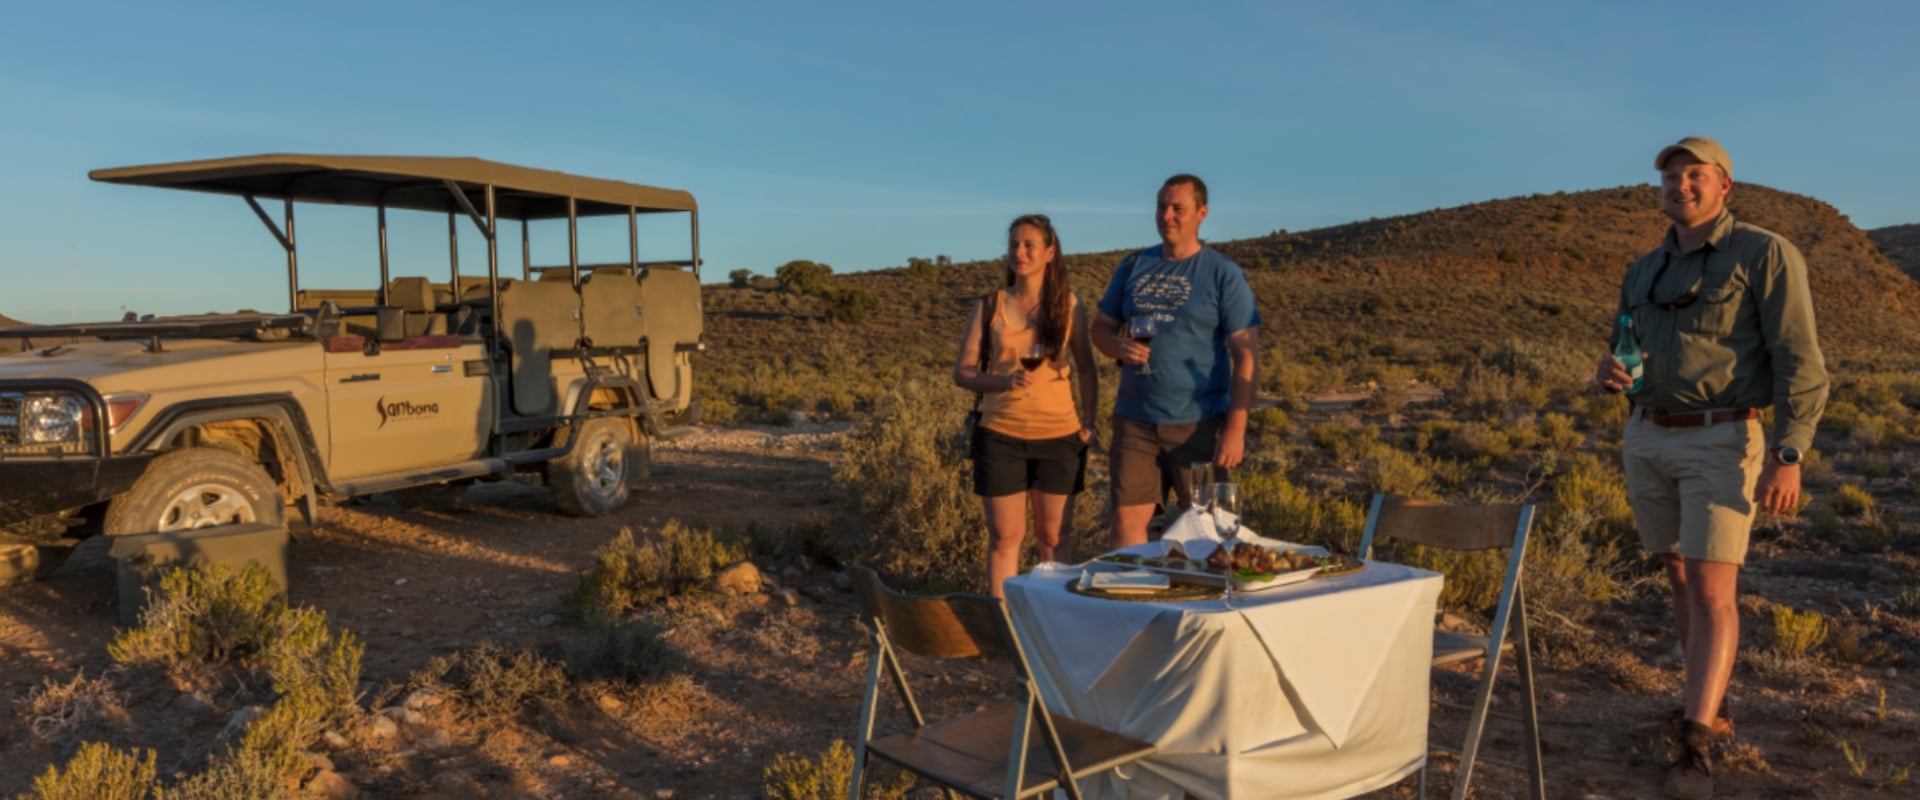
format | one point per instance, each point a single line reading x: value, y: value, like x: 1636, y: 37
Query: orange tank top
x: 1043, y: 410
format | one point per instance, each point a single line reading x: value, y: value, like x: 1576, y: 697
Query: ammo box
x: 138, y: 558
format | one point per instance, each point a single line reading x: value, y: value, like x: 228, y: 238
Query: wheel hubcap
x: 607, y: 466
x: 205, y: 506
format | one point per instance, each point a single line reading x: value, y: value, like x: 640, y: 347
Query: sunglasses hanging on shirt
x: 1684, y: 300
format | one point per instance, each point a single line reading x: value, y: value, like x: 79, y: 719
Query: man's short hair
x: 1199, y: 186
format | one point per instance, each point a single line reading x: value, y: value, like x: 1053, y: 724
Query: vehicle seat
x: 415, y: 297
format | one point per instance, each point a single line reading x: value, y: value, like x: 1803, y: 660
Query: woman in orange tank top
x: 1030, y: 453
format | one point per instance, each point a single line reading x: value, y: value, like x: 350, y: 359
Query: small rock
x: 399, y: 581
x: 330, y: 785
x: 334, y: 740
x: 667, y: 794
x: 798, y: 418
x: 787, y: 597
x: 561, y: 760
x: 422, y: 700
x: 191, y: 702
x: 1880, y: 573
x: 842, y: 581
x: 547, y: 620
x: 1892, y: 673
x: 609, y: 703
x: 434, y: 739
x: 321, y: 762
x: 741, y: 578
x: 1552, y: 697
x: 383, y: 728
x: 404, y: 716
x: 240, y: 720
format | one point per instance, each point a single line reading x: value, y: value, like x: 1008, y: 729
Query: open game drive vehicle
x: 178, y: 423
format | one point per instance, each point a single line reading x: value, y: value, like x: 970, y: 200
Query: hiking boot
x: 1675, y: 730
x: 1691, y: 776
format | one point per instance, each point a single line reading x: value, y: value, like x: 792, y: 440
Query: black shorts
x: 1004, y: 465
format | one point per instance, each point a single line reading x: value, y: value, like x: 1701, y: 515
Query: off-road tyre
x: 199, y: 487
x: 594, y: 478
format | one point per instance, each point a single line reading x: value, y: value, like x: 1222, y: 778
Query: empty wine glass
x: 1224, y: 508
x: 1200, y: 484
x: 1142, y: 327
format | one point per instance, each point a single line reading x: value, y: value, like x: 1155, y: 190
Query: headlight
x: 51, y: 418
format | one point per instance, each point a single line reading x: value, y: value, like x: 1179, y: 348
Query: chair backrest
x: 1481, y: 527
x: 944, y: 626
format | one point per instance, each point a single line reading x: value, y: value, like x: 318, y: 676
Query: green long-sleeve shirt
x: 1746, y: 341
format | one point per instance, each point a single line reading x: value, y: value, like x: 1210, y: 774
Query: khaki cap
x: 1701, y: 147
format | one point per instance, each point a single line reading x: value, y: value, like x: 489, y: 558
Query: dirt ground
x: 770, y: 679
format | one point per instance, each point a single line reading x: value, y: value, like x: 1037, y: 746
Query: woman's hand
x: 1086, y: 435
x: 1020, y: 379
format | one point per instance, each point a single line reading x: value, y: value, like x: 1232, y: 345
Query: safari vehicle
x: 563, y: 371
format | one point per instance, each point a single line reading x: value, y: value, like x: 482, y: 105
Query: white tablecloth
x: 1312, y: 690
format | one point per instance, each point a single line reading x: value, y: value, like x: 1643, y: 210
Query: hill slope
x: 1436, y: 290
x: 1901, y: 245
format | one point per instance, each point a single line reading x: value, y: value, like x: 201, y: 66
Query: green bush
x: 97, y: 772
x: 910, y: 487
x: 791, y: 777
x: 804, y: 277
x: 740, y: 278
x: 627, y: 573
x: 218, y: 615
x: 267, y: 762
x: 1277, y: 509
x: 850, y: 305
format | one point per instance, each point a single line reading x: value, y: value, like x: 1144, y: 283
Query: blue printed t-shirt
x: 1198, y: 302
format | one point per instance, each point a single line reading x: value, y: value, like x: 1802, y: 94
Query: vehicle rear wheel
x: 593, y: 479
x: 199, y: 487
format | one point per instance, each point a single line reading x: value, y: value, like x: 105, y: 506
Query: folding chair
x: 1483, y: 527
x: 983, y: 754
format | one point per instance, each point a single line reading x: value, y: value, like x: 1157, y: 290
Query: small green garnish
x: 1245, y: 575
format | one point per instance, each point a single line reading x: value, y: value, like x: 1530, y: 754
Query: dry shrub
x: 97, y: 772
x: 1852, y: 642
x: 1780, y: 669
x: 62, y: 713
x: 1797, y: 633
x: 620, y: 650
x: 788, y: 634
x: 1851, y: 501
x: 1906, y: 602
x: 1280, y: 510
x: 910, y: 487
x: 791, y: 777
x: 627, y: 573
x: 1390, y: 471
x: 494, y: 685
x: 1591, y: 492
x: 267, y: 762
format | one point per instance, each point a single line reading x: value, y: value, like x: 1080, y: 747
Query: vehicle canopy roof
x: 411, y: 182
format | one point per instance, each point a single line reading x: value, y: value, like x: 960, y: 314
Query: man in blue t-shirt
x: 1184, y: 396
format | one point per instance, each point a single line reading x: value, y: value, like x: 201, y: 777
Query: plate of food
x: 1253, y: 567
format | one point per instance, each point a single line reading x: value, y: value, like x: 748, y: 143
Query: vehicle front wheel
x: 592, y: 479
x: 199, y: 487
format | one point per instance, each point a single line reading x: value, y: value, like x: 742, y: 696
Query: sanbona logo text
x: 403, y: 410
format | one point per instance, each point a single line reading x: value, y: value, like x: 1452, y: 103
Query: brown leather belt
x: 1695, y: 419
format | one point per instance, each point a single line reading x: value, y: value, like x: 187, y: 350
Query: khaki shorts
x: 1146, y: 459
x: 1692, y: 488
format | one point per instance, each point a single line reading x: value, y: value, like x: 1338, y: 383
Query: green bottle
x: 1627, y: 352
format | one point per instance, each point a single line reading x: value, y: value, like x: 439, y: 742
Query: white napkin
x: 1196, y: 527
x: 1138, y: 580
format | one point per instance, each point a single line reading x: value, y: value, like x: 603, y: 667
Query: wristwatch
x: 1786, y: 456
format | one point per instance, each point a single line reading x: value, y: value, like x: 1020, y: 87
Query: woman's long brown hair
x: 1056, y: 300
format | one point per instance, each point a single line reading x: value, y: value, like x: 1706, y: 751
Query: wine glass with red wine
x: 1032, y: 357
x: 1142, y: 327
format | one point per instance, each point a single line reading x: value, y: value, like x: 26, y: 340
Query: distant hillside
x: 9, y: 322
x: 1901, y: 245
x: 1443, y: 287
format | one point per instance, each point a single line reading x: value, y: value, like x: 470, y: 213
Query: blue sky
x: 862, y: 134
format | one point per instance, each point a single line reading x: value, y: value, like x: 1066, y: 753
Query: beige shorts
x: 1145, y: 460
x: 1692, y: 488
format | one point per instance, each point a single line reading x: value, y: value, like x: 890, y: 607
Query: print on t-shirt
x: 1161, y: 294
